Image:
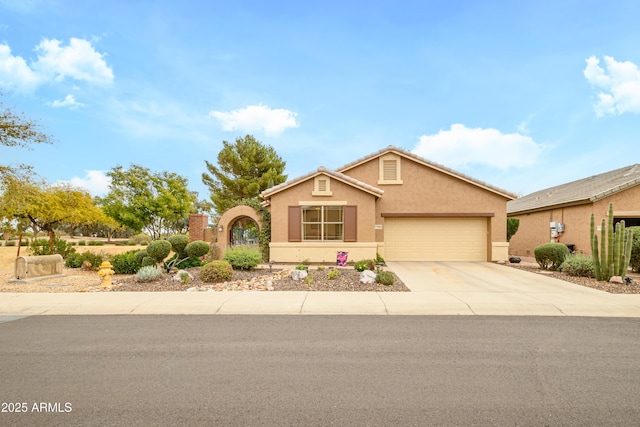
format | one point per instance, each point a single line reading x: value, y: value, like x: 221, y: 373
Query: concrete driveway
x: 488, y: 288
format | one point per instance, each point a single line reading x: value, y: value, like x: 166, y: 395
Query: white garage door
x: 435, y: 239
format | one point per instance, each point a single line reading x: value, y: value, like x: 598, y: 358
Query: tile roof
x: 322, y: 170
x: 582, y: 191
x: 433, y: 165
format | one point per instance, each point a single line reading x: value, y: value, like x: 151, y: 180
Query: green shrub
x: 148, y: 273
x: 635, y: 249
x: 551, y: 255
x: 147, y: 261
x: 365, y: 264
x: 41, y: 247
x: 320, y: 267
x: 141, y: 239
x: 10, y: 243
x: 197, y: 249
x: 579, y: 265
x: 512, y: 227
x: 184, y: 278
x: 179, y: 243
x: 333, y: 273
x: 24, y: 242
x: 216, y: 271
x: 385, y: 277
x: 139, y: 256
x: 76, y: 260
x: 243, y: 257
x: 379, y: 259
x: 126, y: 263
x: 82, y: 243
x: 159, y: 250
x: 181, y: 264
x: 95, y: 243
x: 302, y: 267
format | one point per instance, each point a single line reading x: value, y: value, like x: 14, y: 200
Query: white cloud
x: 95, y: 182
x: 619, y: 83
x: 79, y: 60
x: 257, y: 118
x: 68, y: 101
x: 461, y: 146
x: 15, y: 72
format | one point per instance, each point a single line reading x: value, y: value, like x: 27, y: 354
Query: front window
x: 322, y: 223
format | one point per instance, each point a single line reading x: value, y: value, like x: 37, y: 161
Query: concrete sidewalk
x: 437, y: 289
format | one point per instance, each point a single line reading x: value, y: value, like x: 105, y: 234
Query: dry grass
x: 75, y: 279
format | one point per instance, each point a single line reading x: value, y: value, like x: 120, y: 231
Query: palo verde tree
x: 142, y: 200
x: 47, y: 206
x: 16, y: 130
x: 245, y: 168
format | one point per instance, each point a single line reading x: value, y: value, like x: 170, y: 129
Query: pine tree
x: 245, y: 168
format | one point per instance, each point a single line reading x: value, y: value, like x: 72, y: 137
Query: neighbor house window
x: 389, y: 169
x: 322, y: 223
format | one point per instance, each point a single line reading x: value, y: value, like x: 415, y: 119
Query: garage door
x: 435, y: 239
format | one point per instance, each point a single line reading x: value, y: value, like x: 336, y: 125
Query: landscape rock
x: 367, y: 277
x: 616, y: 279
x: 299, y: 274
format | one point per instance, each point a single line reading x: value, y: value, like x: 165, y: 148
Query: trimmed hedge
x: 551, y: 255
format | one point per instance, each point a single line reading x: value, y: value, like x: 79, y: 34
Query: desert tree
x: 245, y: 168
x: 154, y: 202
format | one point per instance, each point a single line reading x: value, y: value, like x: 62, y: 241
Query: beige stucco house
x: 563, y: 213
x: 391, y: 203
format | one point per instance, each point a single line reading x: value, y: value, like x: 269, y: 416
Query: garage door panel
x: 436, y: 239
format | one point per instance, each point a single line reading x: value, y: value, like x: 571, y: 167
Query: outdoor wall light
x: 220, y: 228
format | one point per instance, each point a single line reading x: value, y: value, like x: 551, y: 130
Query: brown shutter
x: 350, y: 223
x: 295, y: 224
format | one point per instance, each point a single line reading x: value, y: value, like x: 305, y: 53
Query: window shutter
x: 350, y: 224
x: 295, y: 224
x: 389, y: 170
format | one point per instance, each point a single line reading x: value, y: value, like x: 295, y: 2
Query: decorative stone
x: 299, y: 274
x: 367, y: 277
x: 616, y: 279
x: 514, y: 259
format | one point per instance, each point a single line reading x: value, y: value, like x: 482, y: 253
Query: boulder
x: 616, y: 279
x: 299, y: 274
x: 367, y: 277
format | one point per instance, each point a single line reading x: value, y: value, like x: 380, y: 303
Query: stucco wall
x: 280, y: 203
x: 425, y: 190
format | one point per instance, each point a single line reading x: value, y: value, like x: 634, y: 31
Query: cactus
x: 615, y: 248
x: 594, y: 249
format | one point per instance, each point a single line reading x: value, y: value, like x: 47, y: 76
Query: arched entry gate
x: 241, y: 224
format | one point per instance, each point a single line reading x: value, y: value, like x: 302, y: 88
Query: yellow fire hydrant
x: 106, y: 272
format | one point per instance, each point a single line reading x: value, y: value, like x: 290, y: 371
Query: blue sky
x: 523, y: 95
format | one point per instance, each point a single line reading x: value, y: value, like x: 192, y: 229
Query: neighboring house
x: 391, y: 203
x: 563, y: 213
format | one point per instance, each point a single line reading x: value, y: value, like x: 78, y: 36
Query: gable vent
x: 389, y: 170
x: 322, y: 185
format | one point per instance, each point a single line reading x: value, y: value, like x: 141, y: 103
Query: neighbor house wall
x: 534, y: 228
x: 426, y: 190
x: 284, y: 251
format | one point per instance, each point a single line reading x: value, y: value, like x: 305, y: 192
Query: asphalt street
x: 319, y: 370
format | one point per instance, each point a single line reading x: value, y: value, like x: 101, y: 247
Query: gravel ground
x: 614, y: 288
x: 78, y: 280
x: 262, y: 279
